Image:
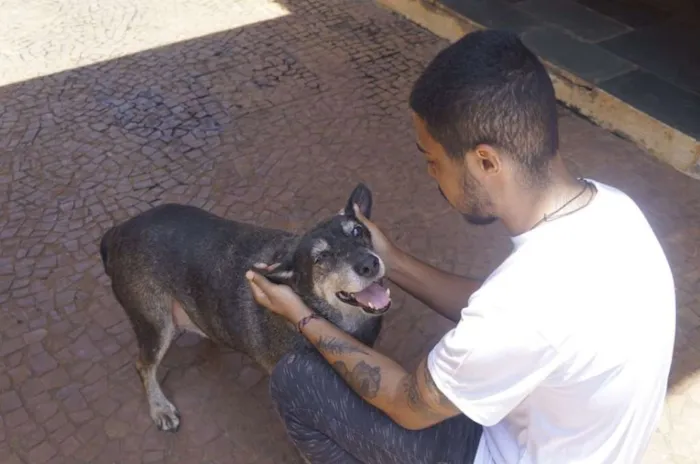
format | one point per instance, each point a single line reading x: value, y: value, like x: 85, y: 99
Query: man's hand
x: 279, y: 299
x: 444, y: 292
x: 386, y: 250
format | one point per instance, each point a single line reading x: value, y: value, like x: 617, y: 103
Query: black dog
x: 179, y: 267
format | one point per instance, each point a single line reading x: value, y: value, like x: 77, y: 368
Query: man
x: 561, y: 355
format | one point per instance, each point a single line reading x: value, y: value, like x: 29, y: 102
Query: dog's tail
x: 105, y: 246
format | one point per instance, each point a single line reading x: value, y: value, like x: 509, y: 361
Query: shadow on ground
x: 273, y: 123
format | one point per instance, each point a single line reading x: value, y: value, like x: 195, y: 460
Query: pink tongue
x: 375, y: 294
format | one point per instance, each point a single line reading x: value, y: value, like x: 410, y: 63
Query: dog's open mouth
x: 375, y: 299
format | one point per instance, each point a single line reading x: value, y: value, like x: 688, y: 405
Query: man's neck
x: 528, y: 205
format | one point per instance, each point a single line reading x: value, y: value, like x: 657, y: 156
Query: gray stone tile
x: 495, y: 14
x: 659, y: 99
x: 630, y: 12
x: 585, y: 60
x: 670, y: 50
x: 576, y: 19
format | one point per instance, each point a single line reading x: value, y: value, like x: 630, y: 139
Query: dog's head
x: 335, y: 262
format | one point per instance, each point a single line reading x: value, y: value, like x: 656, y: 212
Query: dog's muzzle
x: 374, y: 299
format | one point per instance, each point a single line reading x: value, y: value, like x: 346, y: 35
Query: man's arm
x: 441, y: 291
x: 410, y: 399
x: 445, y: 293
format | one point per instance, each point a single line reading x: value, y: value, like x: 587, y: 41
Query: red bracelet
x: 305, y: 320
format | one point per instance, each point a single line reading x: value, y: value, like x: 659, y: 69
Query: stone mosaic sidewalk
x: 266, y: 111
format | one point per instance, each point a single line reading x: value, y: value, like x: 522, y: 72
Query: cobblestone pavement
x: 261, y: 111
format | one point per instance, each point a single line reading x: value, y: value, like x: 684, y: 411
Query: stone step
x: 614, y: 93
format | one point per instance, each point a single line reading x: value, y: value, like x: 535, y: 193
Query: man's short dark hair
x: 489, y: 88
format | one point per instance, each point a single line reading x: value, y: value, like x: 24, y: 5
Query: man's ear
x: 283, y: 274
x: 362, y: 197
x: 486, y: 161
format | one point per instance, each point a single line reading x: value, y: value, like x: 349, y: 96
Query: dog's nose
x: 368, y: 266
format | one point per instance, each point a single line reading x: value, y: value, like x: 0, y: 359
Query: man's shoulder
x: 623, y: 226
x: 614, y: 200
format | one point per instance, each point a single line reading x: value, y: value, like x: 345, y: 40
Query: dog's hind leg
x: 163, y: 412
x: 150, y: 312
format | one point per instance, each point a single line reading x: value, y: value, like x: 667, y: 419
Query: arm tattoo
x: 363, y: 378
x: 337, y: 347
x: 416, y: 398
x: 433, y: 388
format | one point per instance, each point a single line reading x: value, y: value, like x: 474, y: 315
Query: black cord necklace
x: 550, y: 216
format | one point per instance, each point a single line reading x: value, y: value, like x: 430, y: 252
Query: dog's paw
x: 166, y: 417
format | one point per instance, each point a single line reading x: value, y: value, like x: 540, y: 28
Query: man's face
x: 456, y: 184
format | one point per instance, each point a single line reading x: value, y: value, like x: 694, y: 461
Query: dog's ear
x: 362, y: 197
x: 282, y: 274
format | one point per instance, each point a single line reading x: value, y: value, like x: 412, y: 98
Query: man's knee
x: 294, y: 376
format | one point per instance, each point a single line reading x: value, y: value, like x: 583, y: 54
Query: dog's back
x: 194, y: 262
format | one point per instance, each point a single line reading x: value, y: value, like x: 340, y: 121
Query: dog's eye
x: 321, y: 256
x: 356, y: 231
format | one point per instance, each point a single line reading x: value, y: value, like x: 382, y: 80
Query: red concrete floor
x: 263, y: 111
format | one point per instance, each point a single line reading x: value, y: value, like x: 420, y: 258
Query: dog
x: 177, y: 267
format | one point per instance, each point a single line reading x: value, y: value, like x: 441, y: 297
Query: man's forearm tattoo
x: 341, y: 369
x: 331, y: 345
x: 363, y: 378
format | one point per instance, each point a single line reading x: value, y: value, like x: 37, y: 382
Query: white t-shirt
x: 563, y: 355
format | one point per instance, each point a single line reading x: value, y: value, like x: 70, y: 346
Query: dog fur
x: 178, y: 267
